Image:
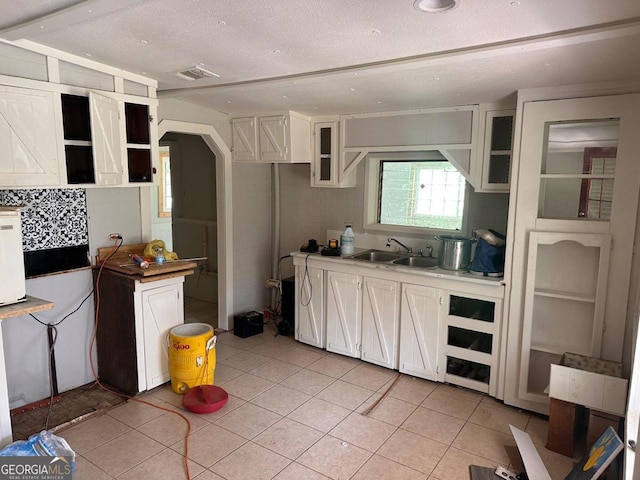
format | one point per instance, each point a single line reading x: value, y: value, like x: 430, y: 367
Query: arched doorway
x: 223, y: 208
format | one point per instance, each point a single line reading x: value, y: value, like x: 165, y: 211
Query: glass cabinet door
x: 578, y: 169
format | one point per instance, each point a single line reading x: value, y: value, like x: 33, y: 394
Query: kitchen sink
x: 394, y: 258
x: 377, y: 256
x: 420, y: 262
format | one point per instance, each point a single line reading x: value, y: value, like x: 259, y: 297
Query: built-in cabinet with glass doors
x: 572, y: 243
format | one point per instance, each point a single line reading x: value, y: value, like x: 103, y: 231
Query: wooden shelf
x: 30, y: 305
x: 577, y: 297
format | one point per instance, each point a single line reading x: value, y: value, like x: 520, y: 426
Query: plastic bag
x: 44, y: 443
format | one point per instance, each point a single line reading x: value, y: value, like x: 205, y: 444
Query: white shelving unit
x: 565, y: 297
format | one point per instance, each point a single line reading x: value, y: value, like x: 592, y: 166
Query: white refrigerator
x: 12, y: 281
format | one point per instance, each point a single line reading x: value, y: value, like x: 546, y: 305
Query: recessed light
x: 434, y: 6
x: 352, y: 89
x: 144, y: 42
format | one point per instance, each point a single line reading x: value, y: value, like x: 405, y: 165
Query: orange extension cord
x: 95, y: 375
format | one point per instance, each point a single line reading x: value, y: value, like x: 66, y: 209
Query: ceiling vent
x: 196, y: 73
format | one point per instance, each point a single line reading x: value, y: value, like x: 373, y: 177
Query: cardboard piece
x: 584, y: 384
x: 594, y: 463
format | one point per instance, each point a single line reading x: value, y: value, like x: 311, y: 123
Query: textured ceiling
x: 335, y: 56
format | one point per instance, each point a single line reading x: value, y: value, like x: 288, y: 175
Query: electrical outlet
x: 115, y: 236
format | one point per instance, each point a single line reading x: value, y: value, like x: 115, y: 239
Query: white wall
x: 308, y: 212
x: 25, y: 340
x: 251, y: 199
x: 114, y: 210
x: 251, y: 236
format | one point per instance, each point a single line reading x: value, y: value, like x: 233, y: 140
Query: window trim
x: 372, y: 193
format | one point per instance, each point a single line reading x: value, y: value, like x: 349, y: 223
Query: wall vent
x: 196, y: 73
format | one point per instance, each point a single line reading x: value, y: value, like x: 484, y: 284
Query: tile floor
x: 297, y: 413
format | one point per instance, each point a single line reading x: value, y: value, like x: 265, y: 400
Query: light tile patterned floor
x: 296, y: 413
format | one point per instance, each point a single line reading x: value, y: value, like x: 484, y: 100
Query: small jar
x: 160, y: 259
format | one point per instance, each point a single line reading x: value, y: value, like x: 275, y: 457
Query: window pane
x: 426, y: 194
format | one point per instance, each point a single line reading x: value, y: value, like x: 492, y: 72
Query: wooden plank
x: 31, y: 305
x: 180, y: 273
x: 131, y: 268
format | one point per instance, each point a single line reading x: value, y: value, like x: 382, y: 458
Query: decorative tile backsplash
x: 52, y: 218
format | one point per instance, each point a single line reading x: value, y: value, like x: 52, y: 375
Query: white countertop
x: 424, y: 272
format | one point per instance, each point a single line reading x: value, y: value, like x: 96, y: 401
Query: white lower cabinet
x: 380, y: 322
x: 309, y: 309
x: 419, y: 319
x: 363, y: 317
x: 440, y: 328
x: 344, y: 313
x: 135, y: 321
x: 469, y: 340
x: 162, y: 309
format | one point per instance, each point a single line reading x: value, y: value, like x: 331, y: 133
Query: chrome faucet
x: 430, y: 250
x: 408, y: 249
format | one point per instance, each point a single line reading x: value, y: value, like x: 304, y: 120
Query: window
x: 414, y: 194
x: 164, y: 192
x: 596, y: 194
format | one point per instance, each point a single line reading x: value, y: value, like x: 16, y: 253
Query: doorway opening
x: 200, y: 215
x: 188, y: 195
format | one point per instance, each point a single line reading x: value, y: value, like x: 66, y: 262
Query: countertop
x: 426, y: 272
x: 30, y: 305
x: 121, y: 262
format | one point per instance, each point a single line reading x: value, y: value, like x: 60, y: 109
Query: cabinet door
x: 343, y: 313
x: 324, y: 171
x: 469, y: 342
x: 380, y: 322
x: 162, y: 309
x: 310, y: 322
x: 419, y: 313
x: 244, y: 138
x: 28, y: 146
x: 564, y: 304
x: 273, y: 139
x: 497, y: 153
x: 106, y: 140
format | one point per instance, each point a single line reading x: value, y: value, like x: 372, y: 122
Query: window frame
x: 372, y: 194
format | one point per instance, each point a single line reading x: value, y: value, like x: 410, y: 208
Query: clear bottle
x: 347, y: 241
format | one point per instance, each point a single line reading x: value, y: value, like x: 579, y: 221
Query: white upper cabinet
x: 107, y: 141
x: 75, y: 123
x: 244, y: 136
x: 271, y: 139
x: 495, y: 152
x: 28, y: 138
x: 325, y: 168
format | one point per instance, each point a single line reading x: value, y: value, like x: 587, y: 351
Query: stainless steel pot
x: 454, y: 252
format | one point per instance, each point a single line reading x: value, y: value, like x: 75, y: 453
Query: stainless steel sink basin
x: 377, y: 256
x: 420, y: 262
